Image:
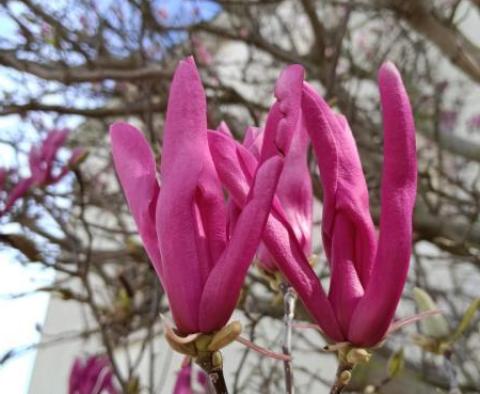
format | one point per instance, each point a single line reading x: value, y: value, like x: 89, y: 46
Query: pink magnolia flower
x: 43, y: 160
x: 92, y: 376
x: 43, y: 168
x: 368, y: 275
x: 190, y: 381
x: 183, y: 224
x: 235, y: 165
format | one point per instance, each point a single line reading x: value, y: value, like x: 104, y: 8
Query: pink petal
x: 222, y: 288
x: 293, y: 264
x: 223, y: 128
x: 375, y: 311
x: 191, y: 214
x: 77, y: 156
x: 135, y: 166
x: 265, y: 260
x: 233, y: 175
x: 18, y: 191
x: 345, y: 287
x: 343, y: 182
x: 295, y: 189
x: 284, y: 114
x: 253, y: 140
x: 39, y: 169
x: 75, y: 378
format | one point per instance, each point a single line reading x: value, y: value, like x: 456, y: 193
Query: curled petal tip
x: 389, y: 66
x: 388, y: 71
x: 120, y: 129
x: 290, y: 76
x: 187, y: 65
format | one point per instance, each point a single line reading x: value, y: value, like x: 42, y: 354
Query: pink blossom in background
x: 191, y: 381
x: 201, y: 51
x: 183, y: 223
x: 162, y: 13
x: 92, y: 375
x: 448, y: 120
x: 43, y: 159
x: 44, y: 169
x: 474, y: 122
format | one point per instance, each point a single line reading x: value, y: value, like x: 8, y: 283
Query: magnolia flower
x: 43, y: 169
x: 235, y: 165
x: 368, y: 274
x: 42, y: 159
x: 190, y: 381
x: 92, y: 376
x: 183, y: 224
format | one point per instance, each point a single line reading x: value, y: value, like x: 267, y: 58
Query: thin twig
x: 289, y: 300
x: 453, y: 386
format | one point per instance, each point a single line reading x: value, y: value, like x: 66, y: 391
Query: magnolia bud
x: 358, y: 356
x: 345, y: 377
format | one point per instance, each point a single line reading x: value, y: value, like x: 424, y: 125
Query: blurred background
x: 75, y: 280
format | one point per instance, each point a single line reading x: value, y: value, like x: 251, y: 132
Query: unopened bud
x: 358, y: 356
x: 345, y: 377
x: 217, y: 360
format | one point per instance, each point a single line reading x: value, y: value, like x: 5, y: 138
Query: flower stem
x: 289, y: 300
x: 211, y: 363
x: 344, y: 373
x: 218, y: 381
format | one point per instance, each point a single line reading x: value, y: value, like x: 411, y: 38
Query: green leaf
x: 396, y: 364
x: 435, y: 326
x: 466, y: 320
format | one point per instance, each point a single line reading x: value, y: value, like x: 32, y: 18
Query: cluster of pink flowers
x: 202, y: 244
x: 92, y: 375
x: 44, y: 170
